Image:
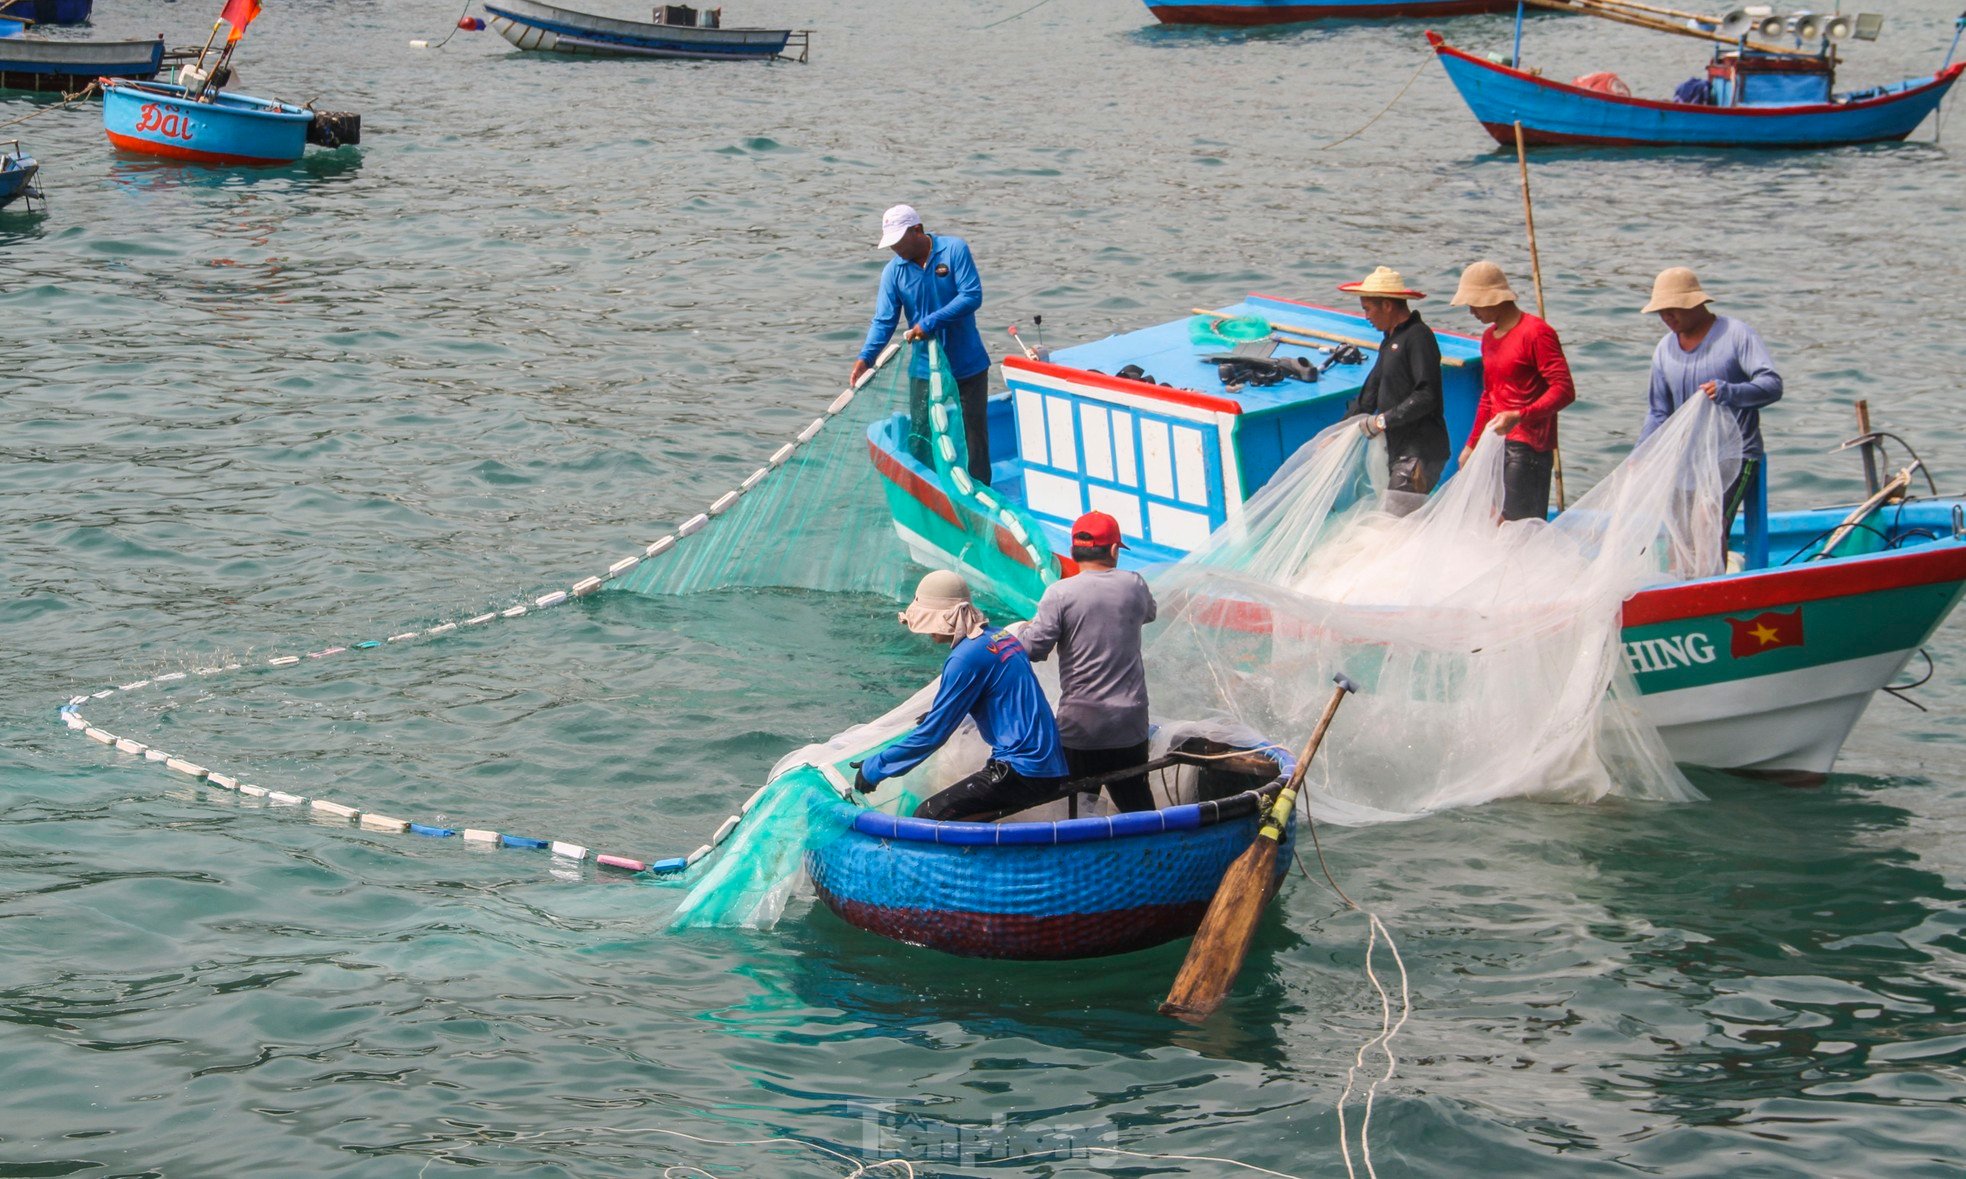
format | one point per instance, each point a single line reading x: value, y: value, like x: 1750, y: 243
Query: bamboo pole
x: 1285, y: 331
x: 1536, y: 274
x: 1597, y: 8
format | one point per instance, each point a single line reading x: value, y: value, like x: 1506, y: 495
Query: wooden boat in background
x: 17, y: 171
x: 1287, y: 12
x: 34, y: 63
x: 1553, y: 112
x: 530, y: 25
x: 48, y: 12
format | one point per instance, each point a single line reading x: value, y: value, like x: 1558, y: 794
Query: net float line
x: 71, y: 717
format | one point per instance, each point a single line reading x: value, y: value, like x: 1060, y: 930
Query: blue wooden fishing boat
x: 1289, y: 12
x: 1036, y: 886
x: 34, y: 63
x: 1553, y: 112
x: 17, y: 171
x: 165, y: 119
x: 680, y: 34
x: 48, y: 12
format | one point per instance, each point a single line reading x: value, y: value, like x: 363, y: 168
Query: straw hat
x: 1482, y: 285
x: 1676, y: 288
x: 1383, y: 283
x: 942, y: 608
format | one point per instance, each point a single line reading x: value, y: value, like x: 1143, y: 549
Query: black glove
x: 861, y: 783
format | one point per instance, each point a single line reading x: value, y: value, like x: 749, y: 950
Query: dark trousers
x: 973, y: 392
x: 1737, y: 492
x: 1128, y: 794
x: 989, y: 793
x: 1413, y: 474
x: 1525, y: 482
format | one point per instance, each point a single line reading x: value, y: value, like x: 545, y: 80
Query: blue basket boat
x: 1068, y: 888
x: 164, y: 119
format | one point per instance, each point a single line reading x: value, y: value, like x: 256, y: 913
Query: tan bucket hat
x: 942, y: 608
x: 1383, y: 283
x: 1482, y: 285
x: 1676, y: 288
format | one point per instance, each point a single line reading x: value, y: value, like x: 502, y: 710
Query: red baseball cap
x: 1097, y: 529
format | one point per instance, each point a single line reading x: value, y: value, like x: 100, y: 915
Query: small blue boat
x: 17, y: 172
x: 1290, y: 12
x: 531, y: 25
x: 1799, y: 111
x: 165, y: 119
x: 33, y: 63
x: 48, y: 12
x: 1063, y: 888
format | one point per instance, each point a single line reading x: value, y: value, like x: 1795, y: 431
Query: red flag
x: 238, y: 14
x: 1770, y: 631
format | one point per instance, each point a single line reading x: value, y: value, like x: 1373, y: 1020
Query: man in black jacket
x: 1401, y: 396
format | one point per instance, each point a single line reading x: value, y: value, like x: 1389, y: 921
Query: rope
x: 67, y: 101
x: 454, y: 26
x: 70, y: 713
x: 1414, y: 77
x: 1013, y: 16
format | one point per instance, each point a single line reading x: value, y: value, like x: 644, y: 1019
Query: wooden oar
x: 1536, y: 272
x: 1898, y: 485
x: 1215, y: 956
x: 1298, y: 334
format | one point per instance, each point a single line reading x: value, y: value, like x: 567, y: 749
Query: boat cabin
x: 1748, y: 78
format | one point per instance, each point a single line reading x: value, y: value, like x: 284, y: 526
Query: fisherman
x: 1524, y: 382
x: 1093, y: 621
x: 1401, y: 396
x: 933, y: 280
x: 1716, y: 355
x: 988, y: 679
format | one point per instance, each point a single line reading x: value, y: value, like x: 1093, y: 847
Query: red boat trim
x: 1187, y: 397
x: 1504, y: 134
x: 921, y: 490
x: 1944, y: 77
x: 1796, y: 584
x: 1335, y: 311
x: 190, y: 155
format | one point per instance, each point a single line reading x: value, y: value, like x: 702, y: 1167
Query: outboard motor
x: 334, y: 128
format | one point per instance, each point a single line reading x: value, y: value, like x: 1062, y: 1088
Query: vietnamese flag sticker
x: 1770, y: 631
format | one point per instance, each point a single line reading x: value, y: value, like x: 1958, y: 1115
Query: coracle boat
x: 1289, y: 12
x: 1042, y: 884
x: 679, y: 32
x: 221, y: 127
x: 1764, y: 670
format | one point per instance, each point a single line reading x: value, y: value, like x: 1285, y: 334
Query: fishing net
x: 812, y: 517
x: 1488, y: 654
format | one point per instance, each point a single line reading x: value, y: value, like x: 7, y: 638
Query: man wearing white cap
x: 932, y: 279
x: 988, y: 679
x: 1401, y: 395
x: 1717, y: 356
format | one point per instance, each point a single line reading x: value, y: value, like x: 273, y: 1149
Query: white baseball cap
x: 896, y: 222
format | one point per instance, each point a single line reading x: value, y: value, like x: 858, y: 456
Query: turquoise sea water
x: 550, y: 308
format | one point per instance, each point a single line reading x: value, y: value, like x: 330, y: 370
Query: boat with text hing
x: 1067, y: 879
x: 678, y: 31
x: 1287, y: 12
x: 1751, y: 94
x: 1765, y: 669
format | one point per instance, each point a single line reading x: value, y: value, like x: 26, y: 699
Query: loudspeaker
x: 1838, y: 26
x: 1806, y: 26
x: 1770, y: 26
x: 1735, y: 25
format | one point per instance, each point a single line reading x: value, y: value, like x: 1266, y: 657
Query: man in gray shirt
x: 1093, y: 619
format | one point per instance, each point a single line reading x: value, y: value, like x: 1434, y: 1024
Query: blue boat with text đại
x: 172, y: 121
x: 677, y: 32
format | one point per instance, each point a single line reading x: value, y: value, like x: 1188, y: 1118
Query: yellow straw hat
x: 1482, y: 285
x: 1677, y: 288
x: 1383, y: 283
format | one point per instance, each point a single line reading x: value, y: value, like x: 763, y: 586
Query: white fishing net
x: 1487, y: 654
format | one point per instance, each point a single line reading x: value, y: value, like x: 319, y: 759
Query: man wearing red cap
x: 1093, y: 620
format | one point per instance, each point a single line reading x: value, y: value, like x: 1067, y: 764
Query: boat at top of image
x: 1290, y: 12
x: 198, y: 121
x: 678, y: 31
x: 17, y: 172
x: 1834, y: 601
x: 1752, y: 93
x: 31, y: 62
x: 48, y: 12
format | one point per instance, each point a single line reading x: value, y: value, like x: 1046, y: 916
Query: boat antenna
x: 1958, y: 27
x: 1515, y: 55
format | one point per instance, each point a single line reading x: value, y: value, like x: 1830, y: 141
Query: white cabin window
x: 1156, y: 459
x: 1058, y: 421
x: 1030, y: 428
x: 1190, y: 467
x: 1096, y: 434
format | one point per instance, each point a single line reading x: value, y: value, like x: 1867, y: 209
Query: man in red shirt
x: 1524, y: 382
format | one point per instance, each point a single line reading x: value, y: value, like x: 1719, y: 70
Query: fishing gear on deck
x: 1239, y: 369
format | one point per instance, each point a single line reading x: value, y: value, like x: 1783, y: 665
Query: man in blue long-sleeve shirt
x: 932, y: 279
x: 988, y: 679
x: 1716, y: 356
